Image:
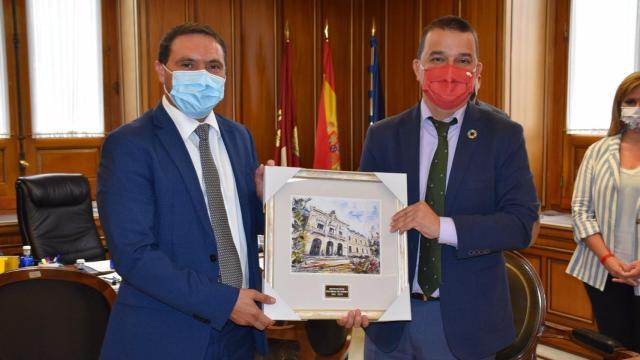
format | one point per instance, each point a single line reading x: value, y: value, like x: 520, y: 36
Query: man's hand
x: 246, y: 313
x: 259, y: 178
x: 353, y: 319
x: 418, y: 216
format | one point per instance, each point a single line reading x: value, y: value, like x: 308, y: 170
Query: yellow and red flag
x: 286, y: 152
x: 327, y: 149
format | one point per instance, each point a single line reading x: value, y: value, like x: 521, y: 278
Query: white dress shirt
x: 428, y: 146
x: 186, y: 127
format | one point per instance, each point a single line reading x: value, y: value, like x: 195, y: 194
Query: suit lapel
x: 465, y: 148
x: 231, y: 143
x: 237, y: 156
x: 170, y: 138
x: 410, y: 152
x: 409, y: 137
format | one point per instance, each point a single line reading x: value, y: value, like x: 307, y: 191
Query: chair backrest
x: 53, y: 314
x: 529, y: 306
x: 56, y: 217
x: 296, y: 340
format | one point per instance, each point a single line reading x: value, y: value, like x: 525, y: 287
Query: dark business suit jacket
x: 492, y: 200
x: 154, y: 215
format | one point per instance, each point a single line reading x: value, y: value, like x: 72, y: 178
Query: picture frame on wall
x: 328, y: 249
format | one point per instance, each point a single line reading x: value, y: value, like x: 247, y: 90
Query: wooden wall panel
x: 567, y: 302
x: 401, y: 40
x: 556, y: 75
x: 574, y: 147
x: 221, y: 15
x: 526, y: 71
x: 432, y: 10
x: 258, y: 73
x: 111, y: 70
x: 83, y: 161
x: 487, y: 17
x: 3, y: 167
x: 156, y: 18
x: 536, y: 262
x: 68, y: 156
x: 303, y: 33
x: 253, y: 31
x: 564, y: 292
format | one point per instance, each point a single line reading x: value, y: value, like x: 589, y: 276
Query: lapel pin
x: 472, y: 134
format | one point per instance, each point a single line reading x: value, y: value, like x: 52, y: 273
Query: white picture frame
x: 328, y: 248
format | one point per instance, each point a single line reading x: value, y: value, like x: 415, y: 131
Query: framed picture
x: 328, y: 248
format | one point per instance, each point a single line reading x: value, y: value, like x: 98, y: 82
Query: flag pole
x: 326, y: 30
x: 286, y: 31
x: 373, y: 33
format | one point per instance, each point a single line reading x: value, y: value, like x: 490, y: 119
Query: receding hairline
x: 189, y: 28
x: 473, y: 53
x: 449, y: 23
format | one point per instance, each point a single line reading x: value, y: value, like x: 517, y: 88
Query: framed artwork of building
x: 328, y: 249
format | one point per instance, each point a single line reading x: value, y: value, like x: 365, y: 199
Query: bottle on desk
x: 26, y: 259
x: 80, y: 264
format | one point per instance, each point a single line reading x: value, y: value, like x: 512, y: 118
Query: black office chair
x: 56, y: 217
x: 53, y: 314
x: 529, y: 306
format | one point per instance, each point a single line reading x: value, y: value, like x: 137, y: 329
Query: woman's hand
x: 623, y: 273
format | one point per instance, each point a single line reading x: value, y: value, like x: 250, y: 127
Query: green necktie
x: 429, y: 270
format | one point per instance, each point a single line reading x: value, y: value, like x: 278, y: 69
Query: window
x: 320, y: 226
x: 66, y: 76
x: 59, y: 88
x: 604, y: 48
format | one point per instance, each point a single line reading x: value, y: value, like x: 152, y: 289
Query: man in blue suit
x: 178, y: 203
x: 488, y: 201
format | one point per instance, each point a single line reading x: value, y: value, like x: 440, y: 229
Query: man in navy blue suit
x: 460, y: 296
x: 180, y: 210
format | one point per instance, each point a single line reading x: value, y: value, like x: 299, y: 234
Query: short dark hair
x: 164, y: 49
x: 449, y: 22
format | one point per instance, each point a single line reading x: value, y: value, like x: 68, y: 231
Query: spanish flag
x: 327, y: 150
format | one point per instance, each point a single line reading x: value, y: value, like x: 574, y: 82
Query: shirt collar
x: 425, y: 112
x: 186, y: 125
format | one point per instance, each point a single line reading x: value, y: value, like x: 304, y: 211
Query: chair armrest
x: 596, y: 341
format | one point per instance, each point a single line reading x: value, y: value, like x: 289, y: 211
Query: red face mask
x: 448, y: 86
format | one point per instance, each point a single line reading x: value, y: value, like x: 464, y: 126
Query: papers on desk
x: 557, y: 219
x: 114, y: 279
x: 98, y: 266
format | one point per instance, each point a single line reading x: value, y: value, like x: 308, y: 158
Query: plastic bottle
x: 80, y: 264
x: 26, y: 259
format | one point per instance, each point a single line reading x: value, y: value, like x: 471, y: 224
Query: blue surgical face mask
x: 196, y: 92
